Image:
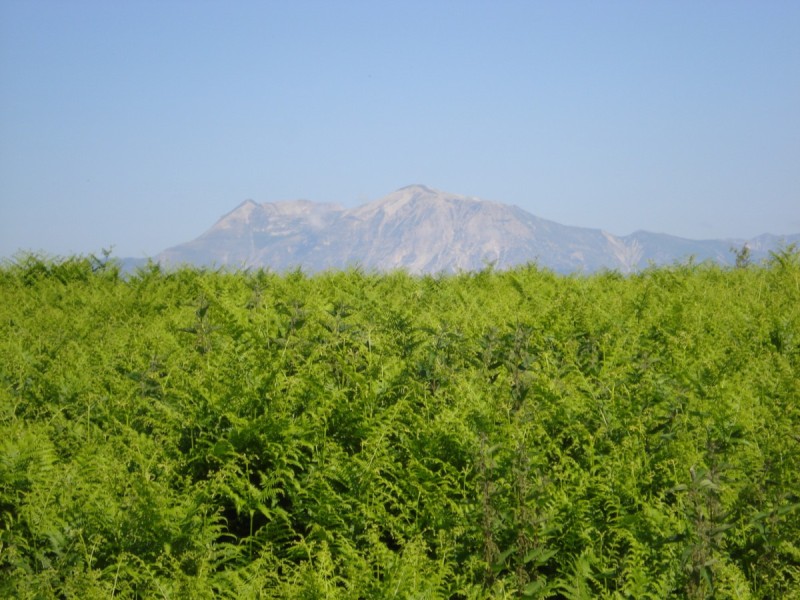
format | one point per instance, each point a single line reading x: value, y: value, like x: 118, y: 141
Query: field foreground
x: 200, y: 434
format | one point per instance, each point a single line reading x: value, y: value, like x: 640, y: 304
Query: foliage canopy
x: 196, y: 433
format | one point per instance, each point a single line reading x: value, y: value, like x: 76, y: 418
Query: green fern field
x: 520, y: 434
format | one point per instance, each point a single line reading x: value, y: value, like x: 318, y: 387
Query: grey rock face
x: 423, y: 230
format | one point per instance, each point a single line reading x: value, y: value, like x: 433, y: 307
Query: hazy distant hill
x: 429, y: 231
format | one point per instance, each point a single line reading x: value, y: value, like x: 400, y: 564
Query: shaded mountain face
x: 423, y: 230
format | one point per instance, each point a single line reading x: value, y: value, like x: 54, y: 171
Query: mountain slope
x: 428, y: 231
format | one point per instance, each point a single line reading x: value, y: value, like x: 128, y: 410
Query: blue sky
x: 137, y: 124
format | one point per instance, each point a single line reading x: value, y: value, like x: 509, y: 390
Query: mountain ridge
x: 424, y: 230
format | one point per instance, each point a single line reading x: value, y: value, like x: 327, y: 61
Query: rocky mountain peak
x: 424, y: 230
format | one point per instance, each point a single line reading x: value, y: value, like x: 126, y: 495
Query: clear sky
x: 138, y: 124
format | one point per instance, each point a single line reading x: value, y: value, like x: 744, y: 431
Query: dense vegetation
x: 199, y: 434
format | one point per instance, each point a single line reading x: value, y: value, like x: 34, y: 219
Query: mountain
x: 423, y: 230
